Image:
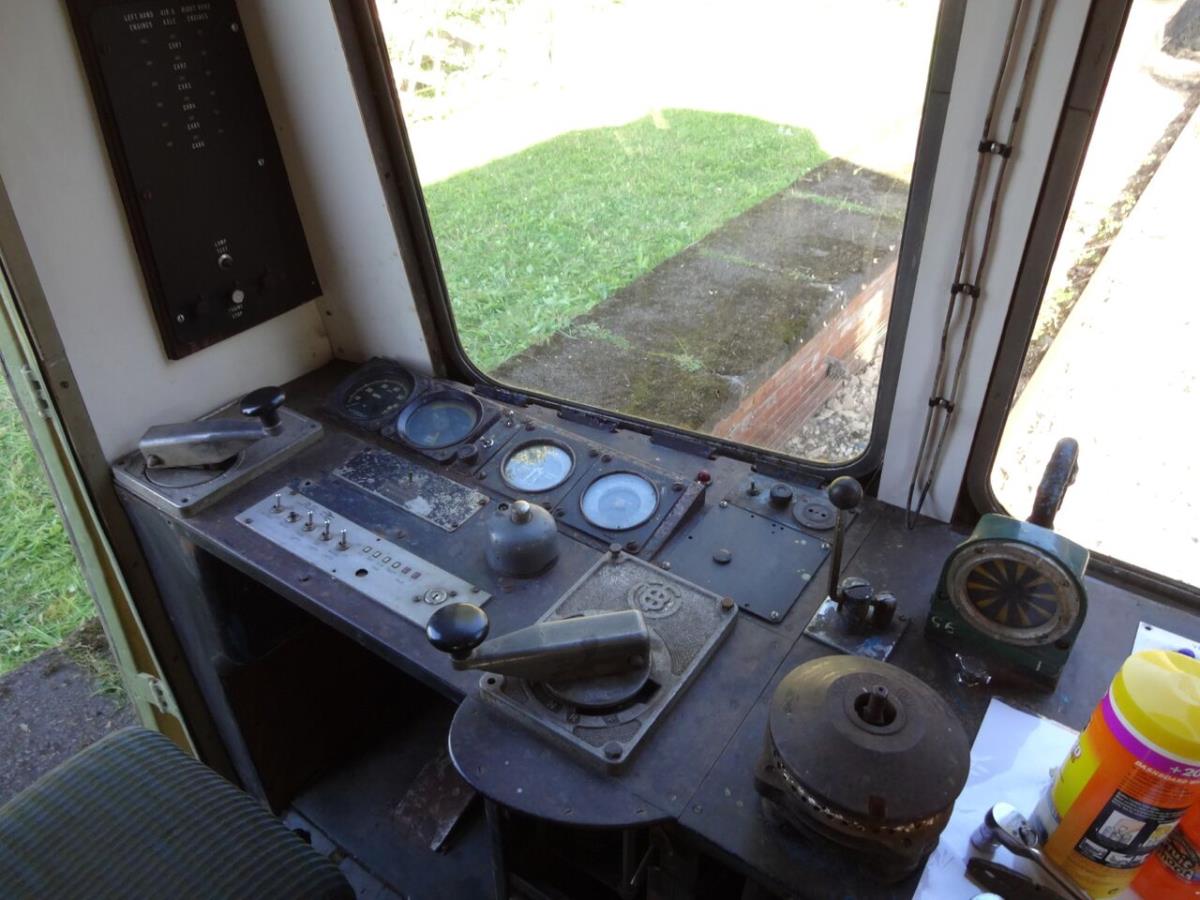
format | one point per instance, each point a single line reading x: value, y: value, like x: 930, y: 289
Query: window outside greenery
x: 685, y: 212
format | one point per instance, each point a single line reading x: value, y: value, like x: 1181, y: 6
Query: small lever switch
x: 860, y: 607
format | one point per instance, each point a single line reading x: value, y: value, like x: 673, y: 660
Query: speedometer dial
x: 377, y: 399
x: 537, y: 466
x: 619, y: 501
x: 439, y: 419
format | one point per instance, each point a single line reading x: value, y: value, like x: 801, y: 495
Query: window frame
x: 1094, y: 64
x: 367, y: 53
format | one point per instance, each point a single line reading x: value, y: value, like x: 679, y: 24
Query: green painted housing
x: 1040, y: 664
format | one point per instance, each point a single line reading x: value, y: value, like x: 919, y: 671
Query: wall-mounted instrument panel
x: 644, y: 631
x: 195, y: 157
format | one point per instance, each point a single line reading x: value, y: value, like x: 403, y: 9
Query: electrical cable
x: 943, y: 398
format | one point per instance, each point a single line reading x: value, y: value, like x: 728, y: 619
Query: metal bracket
x: 828, y: 627
x: 37, y: 390
x: 155, y: 692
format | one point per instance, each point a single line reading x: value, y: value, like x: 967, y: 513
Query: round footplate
x: 603, y: 692
x: 866, y: 755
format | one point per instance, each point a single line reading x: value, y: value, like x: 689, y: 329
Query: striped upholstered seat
x: 135, y: 817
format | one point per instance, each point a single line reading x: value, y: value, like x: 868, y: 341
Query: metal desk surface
x: 697, y: 767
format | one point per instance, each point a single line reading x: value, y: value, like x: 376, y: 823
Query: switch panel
x: 358, y: 558
x: 194, y: 153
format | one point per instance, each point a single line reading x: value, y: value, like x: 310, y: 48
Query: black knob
x: 467, y: 454
x: 781, y: 496
x: 457, y: 629
x: 845, y: 492
x: 264, y: 405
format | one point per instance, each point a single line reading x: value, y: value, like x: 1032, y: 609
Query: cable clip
x: 1001, y: 150
x: 942, y: 402
x: 964, y: 287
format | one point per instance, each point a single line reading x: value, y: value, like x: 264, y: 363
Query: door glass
x: 687, y: 212
x: 1115, y: 359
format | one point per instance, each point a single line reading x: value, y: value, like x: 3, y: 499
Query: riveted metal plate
x: 372, y: 565
x: 826, y: 627
x: 762, y: 564
x: 686, y: 623
x: 412, y: 487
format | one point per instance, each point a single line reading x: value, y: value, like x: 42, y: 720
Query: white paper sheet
x: 1151, y: 637
x: 1011, y: 760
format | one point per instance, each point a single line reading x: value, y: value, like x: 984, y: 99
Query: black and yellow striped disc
x: 1011, y: 593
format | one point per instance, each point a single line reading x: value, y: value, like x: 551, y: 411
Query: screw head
x: 613, y: 750
x: 727, y: 603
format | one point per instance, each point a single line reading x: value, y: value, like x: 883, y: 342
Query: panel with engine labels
x: 355, y: 556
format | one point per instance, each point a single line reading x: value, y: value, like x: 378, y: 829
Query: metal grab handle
x: 1052, y: 489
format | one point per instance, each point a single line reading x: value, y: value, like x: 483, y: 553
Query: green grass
x: 42, y: 594
x: 531, y: 241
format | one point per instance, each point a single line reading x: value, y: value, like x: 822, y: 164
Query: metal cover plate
x: 387, y: 573
x: 686, y: 624
x: 826, y: 627
x: 427, y: 495
x: 768, y: 567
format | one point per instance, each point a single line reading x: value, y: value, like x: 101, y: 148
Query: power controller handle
x: 210, y: 442
x: 577, y: 647
x: 458, y: 629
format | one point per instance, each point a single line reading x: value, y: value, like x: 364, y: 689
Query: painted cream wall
x: 56, y: 171
x: 978, y: 59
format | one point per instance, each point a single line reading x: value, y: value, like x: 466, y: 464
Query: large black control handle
x: 457, y: 629
x: 1059, y: 475
x: 263, y: 404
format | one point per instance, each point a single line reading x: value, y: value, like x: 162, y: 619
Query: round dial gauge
x: 377, y: 398
x: 537, y: 466
x: 439, y: 420
x: 619, y: 501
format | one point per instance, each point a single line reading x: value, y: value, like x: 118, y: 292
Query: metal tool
x: 210, y: 442
x: 1008, y: 883
x: 1003, y: 825
x: 556, y: 650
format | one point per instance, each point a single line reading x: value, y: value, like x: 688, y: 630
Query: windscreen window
x: 1114, y: 359
x: 688, y: 213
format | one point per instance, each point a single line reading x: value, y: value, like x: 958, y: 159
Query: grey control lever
x: 210, y: 442
x: 555, y: 650
x: 1003, y: 825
